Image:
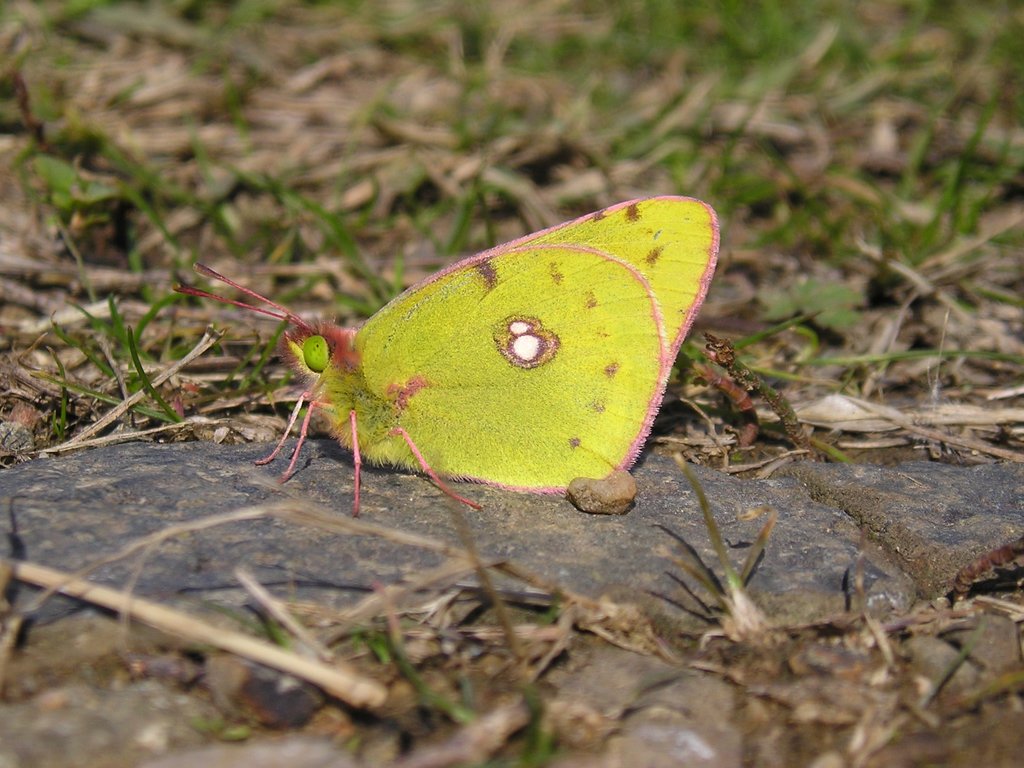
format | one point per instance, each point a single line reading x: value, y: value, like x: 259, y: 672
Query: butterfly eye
x: 316, y: 353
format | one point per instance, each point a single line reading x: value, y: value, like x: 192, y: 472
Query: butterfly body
x: 524, y: 366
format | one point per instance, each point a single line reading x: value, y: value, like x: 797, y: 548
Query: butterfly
x: 523, y: 367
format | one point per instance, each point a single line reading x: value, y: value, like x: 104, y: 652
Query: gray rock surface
x: 924, y: 522
x: 934, y: 518
x: 75, y: 509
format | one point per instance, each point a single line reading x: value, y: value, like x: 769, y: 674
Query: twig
x: 337, y: 679
x: 990, y: 560
x: 721, y: 351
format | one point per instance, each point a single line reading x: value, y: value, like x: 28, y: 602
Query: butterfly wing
x: 523, y: 367
x: 672, y: 241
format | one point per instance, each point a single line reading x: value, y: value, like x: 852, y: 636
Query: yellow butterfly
x: 523, y: 367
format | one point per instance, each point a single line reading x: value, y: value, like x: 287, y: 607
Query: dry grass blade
x: 210, y: 337
x: 452, y: 708
x: 1013, y: 610
x: 148, y: 542
x: 954, y: 665
x: 896, y: 417
x: 277, y: 610
x: 337, y: 679
x: 130, y: 436
x: 311, y: 514
x: 992, y: 226
x: 622, y: 624
x: 375, y: 603
x: 10, y: 622
x: 850, y: 414
x: 466, y: 537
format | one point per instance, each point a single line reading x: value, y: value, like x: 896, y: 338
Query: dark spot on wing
x: 556, y: 275
x: 487, y: 271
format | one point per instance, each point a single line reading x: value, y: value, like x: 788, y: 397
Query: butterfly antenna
x: 282, y: 313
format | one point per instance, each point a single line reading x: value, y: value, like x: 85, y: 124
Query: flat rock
x: 933, y: 518
x: 82, y: 726
x: 660, y: 714
x: 72, y: 510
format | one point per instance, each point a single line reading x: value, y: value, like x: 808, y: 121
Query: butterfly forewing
x: 672, y: 241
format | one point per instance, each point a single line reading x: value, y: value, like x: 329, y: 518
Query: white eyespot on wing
x: 526, y: 347
x: 519, y: 327
x: 525, y: 342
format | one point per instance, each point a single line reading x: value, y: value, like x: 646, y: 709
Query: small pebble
x: 612, y: 495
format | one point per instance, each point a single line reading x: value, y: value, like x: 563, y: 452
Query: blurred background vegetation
x: 866, y: 159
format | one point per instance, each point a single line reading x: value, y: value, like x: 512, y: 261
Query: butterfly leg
x: 302, y: 439
x: 430, y: 472
x: 287, y: 431
x: 303, y: 431
x: 357, y: 461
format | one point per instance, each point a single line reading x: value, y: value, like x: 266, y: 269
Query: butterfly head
x: 323, y: 348
x: 312, y: 349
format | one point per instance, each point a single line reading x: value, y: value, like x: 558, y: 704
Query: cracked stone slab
x: 933, y: 518
x: 72, y: 510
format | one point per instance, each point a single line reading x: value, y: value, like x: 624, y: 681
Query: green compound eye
x: 316, y: 353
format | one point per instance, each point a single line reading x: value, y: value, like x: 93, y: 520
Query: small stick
x: 740, y: 398
x: 721, y: 351
x: 279, y: 612
x: 994, y: 558
x: 209, y: 339
x: 337, y: 679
